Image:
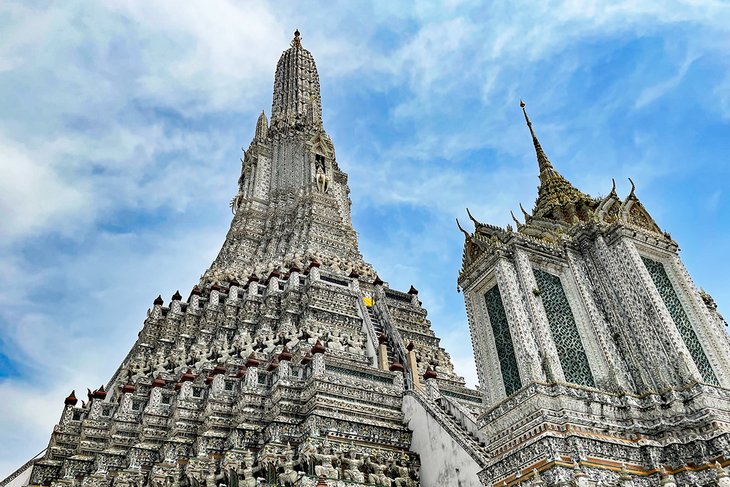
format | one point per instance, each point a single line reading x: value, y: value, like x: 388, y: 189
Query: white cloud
x: 33, y: 195
x: 652, y: 93
x: 219, y: 48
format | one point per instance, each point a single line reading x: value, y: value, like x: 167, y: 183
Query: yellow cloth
x: 368, y: 301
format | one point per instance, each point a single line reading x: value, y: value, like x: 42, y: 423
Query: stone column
x: 432, y: 386
x: 523, y: 339
x: 688, y: 369
x: 382, y: 353
x: 318, y: 365
x: 710, y: 331
x: 544, y: 339
x: 252, y: 372
x: 617, y: 375
x: 413, y: 366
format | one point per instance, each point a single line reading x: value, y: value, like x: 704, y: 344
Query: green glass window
x: 503, y: 341
x: 572, y: 356
x: 671, y: 301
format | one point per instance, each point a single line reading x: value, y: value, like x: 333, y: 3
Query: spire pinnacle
x: 556, y: 197
x: 547, y: 170
x: 262, y: 127
x: 296, y: 102
x: 296, y: 43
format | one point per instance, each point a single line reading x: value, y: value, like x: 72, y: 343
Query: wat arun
x: 288, y: 362
x: 293, y: 363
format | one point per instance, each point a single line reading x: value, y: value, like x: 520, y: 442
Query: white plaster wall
x: 443, y: 461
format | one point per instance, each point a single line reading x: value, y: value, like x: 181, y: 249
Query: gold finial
x: 296, y: 43
x: 527, y: 119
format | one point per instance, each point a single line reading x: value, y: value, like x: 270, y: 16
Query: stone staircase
x: 443, y: 411
x: 379, y: 329
x: 474, y: 441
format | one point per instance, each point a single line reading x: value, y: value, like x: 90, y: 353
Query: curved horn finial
x: 514, y: 218
x: 524, y: 212
x: 466, y: 234
x: 474, y: 220
x: 633, y: 188
x: 613, y: 185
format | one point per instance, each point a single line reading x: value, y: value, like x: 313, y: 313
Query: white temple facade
x: 600, y: 361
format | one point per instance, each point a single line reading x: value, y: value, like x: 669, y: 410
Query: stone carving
x: 352, y: 466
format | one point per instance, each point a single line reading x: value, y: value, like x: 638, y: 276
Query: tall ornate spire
x: 296, y: 103
x: 262, y: 127
x: 292, y: 204
x: 557, y: 199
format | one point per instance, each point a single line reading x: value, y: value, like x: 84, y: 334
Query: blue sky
x: 121, y: 125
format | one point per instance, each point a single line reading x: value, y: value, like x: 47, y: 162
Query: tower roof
x: 557, y: 199
x: 296, y: 102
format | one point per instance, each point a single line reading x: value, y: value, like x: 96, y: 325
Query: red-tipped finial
x: 100, y: 393
x: 71, y: 399
x: 285, y: 354
x: 429, y: 374
x: 252, y: 361
x: 396, y: 366
x: 318, y: 348
x: 188, y: 376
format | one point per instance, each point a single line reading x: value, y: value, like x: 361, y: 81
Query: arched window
x: 565, y: 334
x: 674, y: 306
x: 503, y: 341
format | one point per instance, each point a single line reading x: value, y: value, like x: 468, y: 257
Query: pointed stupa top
x: 296, y: 102
x: 557, y: 199
x: 547, y: 171
x: 262, y: 127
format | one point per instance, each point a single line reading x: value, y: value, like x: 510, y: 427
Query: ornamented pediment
x: 608, y: 209
x: 634, y: 213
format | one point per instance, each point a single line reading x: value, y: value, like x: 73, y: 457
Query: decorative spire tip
x: 296, y: 43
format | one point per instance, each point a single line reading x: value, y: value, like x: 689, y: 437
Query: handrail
x: 448, y: 423
x: 22, y: 469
